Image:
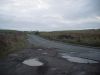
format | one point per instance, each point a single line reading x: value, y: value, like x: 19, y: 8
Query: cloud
x: 49, y: 14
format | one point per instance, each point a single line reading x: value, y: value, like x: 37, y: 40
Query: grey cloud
x: 49, y: 14
x: 79, y: 9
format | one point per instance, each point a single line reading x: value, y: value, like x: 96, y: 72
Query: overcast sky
x: 49, y: 15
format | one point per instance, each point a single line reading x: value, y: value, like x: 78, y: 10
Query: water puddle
x: 40, y: 49
x: 32, y: 62
x: 45, y: 53
x: 77, y: 59
x: 72, y: 52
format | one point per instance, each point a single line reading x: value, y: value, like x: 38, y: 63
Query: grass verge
x: 82, y: 37
x: 11, y: 41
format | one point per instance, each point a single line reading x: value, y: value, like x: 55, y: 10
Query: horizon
x: 50, y: 31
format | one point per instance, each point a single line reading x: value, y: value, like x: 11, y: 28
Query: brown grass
x: 11, y: 41
x: 83, y: 37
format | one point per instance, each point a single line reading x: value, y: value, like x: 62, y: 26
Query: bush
x: 36, y: 33
x: 11, y: 41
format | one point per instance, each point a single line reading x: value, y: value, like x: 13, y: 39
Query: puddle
x: 72, y: 52
x: 45, y: 53
x: 77, y: 59
x: 32, y: 62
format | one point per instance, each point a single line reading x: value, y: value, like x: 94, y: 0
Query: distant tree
x: 37, y: 33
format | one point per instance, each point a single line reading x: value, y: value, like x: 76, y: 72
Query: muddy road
x: 73, y: 50
x: 56, y: 59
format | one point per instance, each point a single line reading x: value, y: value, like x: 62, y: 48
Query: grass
x: 82, y: 37
x: 11, y: 40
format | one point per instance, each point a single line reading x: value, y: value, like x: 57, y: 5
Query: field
x: 11, y: 40
x: 82, y: 37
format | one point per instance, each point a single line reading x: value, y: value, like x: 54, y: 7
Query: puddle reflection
x: 77, y: 59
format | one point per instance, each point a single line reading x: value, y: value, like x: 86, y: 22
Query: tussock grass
x: 83, y: 37
x: 11, y: 40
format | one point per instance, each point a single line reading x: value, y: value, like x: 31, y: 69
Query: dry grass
x: 11, y: 41
x: 83, y: 37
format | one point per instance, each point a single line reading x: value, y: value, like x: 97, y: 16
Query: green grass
x: 11, y: 41
x: 83, y: 37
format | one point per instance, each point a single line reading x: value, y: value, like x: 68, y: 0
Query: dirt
x: 72, y: 50
x: 50, y: 55
x: 54, y: 64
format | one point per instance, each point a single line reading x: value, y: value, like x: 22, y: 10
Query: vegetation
x: 11, y: 40
x: 36, y: 32
x: 83, y: 37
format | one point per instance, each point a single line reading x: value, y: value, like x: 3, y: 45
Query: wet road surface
x: 77, y: 51
x: 50, y: 55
